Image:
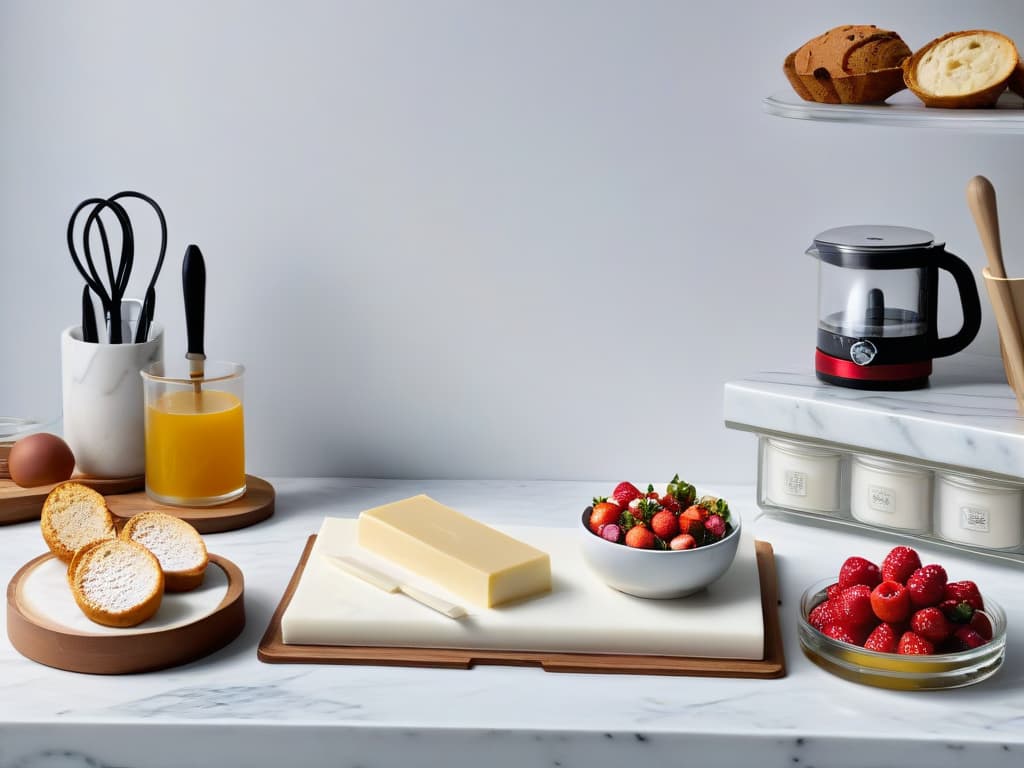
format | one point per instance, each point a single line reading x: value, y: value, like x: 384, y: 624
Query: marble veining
x: 966, y: 419
x: 230, y: 709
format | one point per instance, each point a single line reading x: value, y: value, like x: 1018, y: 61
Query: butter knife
x: 371, y: 575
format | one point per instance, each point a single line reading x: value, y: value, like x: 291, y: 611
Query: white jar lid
x: 973, y: 483
x: 802, y: 449
x: 890, y: 465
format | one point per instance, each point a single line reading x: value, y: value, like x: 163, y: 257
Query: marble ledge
x: 230, y: 709
x: 967, y: 418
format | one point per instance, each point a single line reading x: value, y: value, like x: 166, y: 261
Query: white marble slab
x: 230, y: 709
x: 967, y: 418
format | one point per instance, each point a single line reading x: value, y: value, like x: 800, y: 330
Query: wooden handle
x: 981, y: 199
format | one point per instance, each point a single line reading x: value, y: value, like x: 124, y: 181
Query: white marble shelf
x: 230, y: 709
x: 967, y: 418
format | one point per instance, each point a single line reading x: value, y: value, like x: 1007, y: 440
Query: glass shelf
x: 904, y: 110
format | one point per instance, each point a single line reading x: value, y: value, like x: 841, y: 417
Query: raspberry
x: 882, y: 639
x: 670, y: 502
x: 853, y: 608
x: 914, y: 645
x: 931, y: 624
x: 715, y: 526
x: 610, y: 531
x: 665, y: 525
x: 890, y: 601
x: 926, y: 585
x: 899, y: 564
x: 964, y: 592
x: 821, y: 615
x: 857, y: 570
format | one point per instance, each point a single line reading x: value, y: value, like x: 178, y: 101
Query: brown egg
x: 40, y: 459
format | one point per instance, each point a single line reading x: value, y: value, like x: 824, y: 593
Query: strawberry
x: 694, y: 528
x: 981, y: 625
x: 603, y: 513
x: 926, y: 585
x: 651, y: 493
x: 640, y: 538
x: 890, y: 601
x: 832, y: 593
x: 715, y: 526
x: 931, y: 624
x: 853, y: 608
x: 958, y: 613
x: 968, y: 638
x: 821, y: 615
x: 671, y: 503
x: 841, y: 632
x: 664, y: 524
x: 695, y: 512
x: 899, y: 564
x: 964, y: 592
x: 684, y: 493
x: 683, y: 541
x: 913, y: 644
x: 857, y: 570
x: 625, y: 493
x: 882, y: 639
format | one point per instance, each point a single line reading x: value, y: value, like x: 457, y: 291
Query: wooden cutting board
x: 19, y: 504
x: 771, y: 664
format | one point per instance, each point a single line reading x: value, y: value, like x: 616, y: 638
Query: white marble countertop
x: 967, y: 418
x: 231, y: 709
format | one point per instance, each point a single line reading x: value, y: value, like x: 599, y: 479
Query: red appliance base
x: 892, y: 377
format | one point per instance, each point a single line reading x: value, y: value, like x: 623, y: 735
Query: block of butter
x: 466, y: 557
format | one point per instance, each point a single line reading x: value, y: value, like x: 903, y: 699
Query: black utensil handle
x: 90, y: 334
x: 969, y: 302
x: 193, y: 281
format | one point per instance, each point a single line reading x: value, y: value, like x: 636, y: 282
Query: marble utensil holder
x: 104, y: 416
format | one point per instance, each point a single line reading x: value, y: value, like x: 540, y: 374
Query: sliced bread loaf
x: 117, y: 583
x: 74, y: 515
x: 176, y: 544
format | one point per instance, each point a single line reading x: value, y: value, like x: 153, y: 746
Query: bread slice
x: 962, y: 70
x: 74, y: 515
x: 1016, y: 84
x: 176, y: 544
x: 851, y: 64
x: 117, y: 583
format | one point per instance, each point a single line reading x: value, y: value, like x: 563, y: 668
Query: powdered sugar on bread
x: 176, y: 544
x: 118, y: 583
x: 74, y: 515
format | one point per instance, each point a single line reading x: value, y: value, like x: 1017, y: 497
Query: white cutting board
x: 581, y: 613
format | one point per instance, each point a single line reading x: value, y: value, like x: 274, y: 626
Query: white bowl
x: 659, y: 573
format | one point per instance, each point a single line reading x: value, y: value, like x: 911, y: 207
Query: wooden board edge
x: 46, y: 644
x: 273, y: 650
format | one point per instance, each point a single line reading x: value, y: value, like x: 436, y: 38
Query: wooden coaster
x: 272, y: 648
x: 257, y: 504
x: 19, y: 504
x: 184, y: 629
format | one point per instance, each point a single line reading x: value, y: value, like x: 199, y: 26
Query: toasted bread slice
x: 117, y: 583
x: 74, y: 515
x: 176, y: 544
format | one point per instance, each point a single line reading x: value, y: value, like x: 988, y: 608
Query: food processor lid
x: 874, y: 246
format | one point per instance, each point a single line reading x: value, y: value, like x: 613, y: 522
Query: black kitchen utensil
x: 89, y: 333
x: 193, y: 282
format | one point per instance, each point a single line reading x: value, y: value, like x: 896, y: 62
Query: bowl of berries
x: 902, y: 625
x: 659, y: 544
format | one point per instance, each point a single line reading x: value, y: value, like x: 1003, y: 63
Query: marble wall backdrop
x: 453, y: 238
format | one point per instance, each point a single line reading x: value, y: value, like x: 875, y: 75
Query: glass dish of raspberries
x: 902, y: 625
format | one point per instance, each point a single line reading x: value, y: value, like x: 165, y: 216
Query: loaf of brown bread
x: 178, y: 547
x: 74, y: 515
x: 117, y: 583
x: 962, y: 69
x: 851, y: 64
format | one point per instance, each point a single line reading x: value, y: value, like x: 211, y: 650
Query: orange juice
x: 195, y: 447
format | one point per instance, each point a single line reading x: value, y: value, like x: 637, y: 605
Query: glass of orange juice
x: 195, y: 434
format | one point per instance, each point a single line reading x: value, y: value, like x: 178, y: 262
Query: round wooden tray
x: 257, y: 504
x: 19, y: 504
x: 45, y: 624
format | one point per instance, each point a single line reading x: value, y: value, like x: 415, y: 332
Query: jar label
x: 881, y: 499
x: 974, y: 519
x: 796, y: 483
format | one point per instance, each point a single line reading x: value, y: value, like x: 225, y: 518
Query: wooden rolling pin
x: 981, y: 199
